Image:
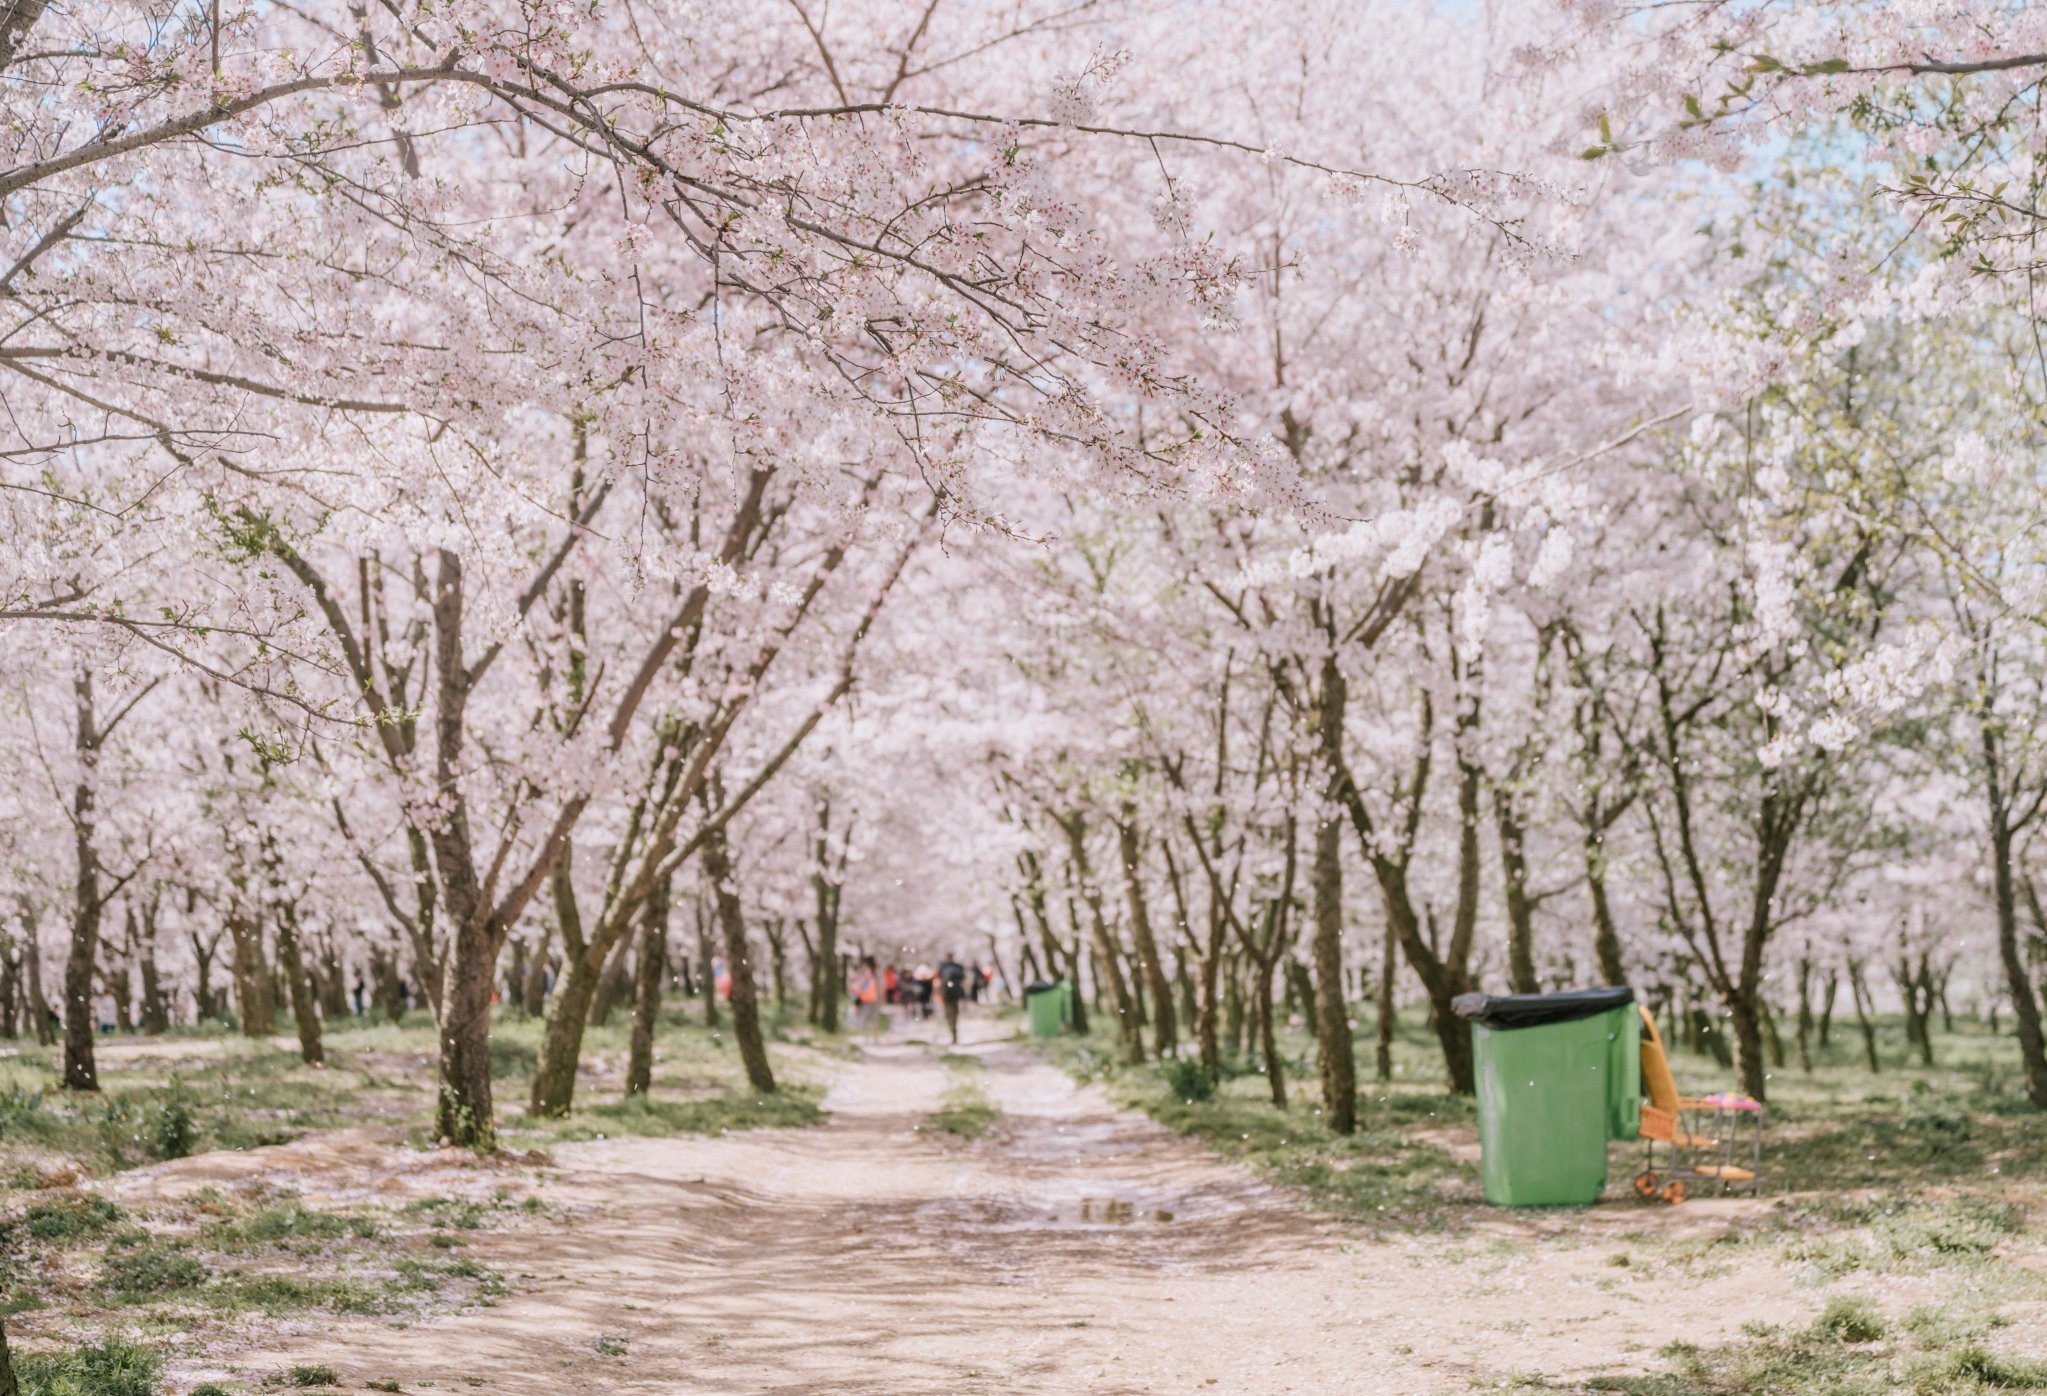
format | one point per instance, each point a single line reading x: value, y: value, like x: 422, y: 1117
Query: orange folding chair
x: 1712, y: 1140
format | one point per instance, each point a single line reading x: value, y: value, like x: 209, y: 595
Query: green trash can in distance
x: 1558, y: 1075
x: 1049, y: 1007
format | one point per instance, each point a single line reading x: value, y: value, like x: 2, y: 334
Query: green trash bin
x: 1558, y: 1075
x: 1050, y: 1007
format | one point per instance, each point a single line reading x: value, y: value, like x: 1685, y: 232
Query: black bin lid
x: 1536, y: 1010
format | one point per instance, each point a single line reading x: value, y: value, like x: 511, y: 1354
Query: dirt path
x: 1075, y: 1249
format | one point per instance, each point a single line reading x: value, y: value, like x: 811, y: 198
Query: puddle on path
x: 1117, y: 1211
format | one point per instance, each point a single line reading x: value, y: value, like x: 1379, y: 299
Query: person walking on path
x: 952, y: 987
x: 866, y: 989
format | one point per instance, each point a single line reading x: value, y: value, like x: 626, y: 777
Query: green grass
x: 732, y: 1108
x: 1394, y: 1172
x: 109, y: 1368
x: 1824, y: 1360
x: 204, y: 1089
x: 964, y: 1112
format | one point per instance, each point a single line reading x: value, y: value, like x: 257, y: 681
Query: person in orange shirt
x: 865, y: 991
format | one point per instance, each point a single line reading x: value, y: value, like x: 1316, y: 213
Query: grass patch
x: 113, y: 1367
x: 1829, y: 1359
x: 287, y: 1223
x: 150, y: 1271
x: 65, y: 1220
x: 964, y: 1110
x: 658, y: 1116
x: 1385, y: 1175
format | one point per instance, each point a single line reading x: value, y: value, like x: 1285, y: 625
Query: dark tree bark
x: 827, y: 885
x: 1268, y: 1036
x: 205, y: 1002
x: 1165, y: 1028
x: 561, y: 1046
x: 1445, y: 972
x: 746, y: 1026
x: 706, y: 974
x: 8, y: 1385
x: 649, y: 979
x: 32, y: 971
x: 81, y: 1073
x: 1513, y: 839
x: 120, y: 982
x: 255, y: 997
x: 1332, y: 1015
x: 1916, y: 990
x: 1864, y: 1006
x: 611, y: 984
x: 776, y: 930
x: 1382, y: 1040
x: 156, y: 1013
x: 1108, y: 967
x: 1805, y: 1014
x: 533, y: 991
x: 304, y: 1011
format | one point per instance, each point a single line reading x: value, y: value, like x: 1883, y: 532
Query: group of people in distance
x: 918, y: 991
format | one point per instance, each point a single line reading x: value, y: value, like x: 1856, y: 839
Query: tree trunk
x: 1205, y: 1024
x: 8, y: 1385
x: 1750, y: 1066
x: 827, y: 969
x: 254, y: 997
x: 746, y: 1025
x: 561, y: 1046
x: 1520, y: 910
x: 707, y: 974
x: 1332, y: 1013
x: 1268, y: 1038
x: 1165, y: 1030
x: 1606, y: 940
x: 305, y: 1013
x: 648, y: 981
x: 204, y: 1001
x: 826, y: 978
x: 2018, y: 981
x: 1860, y: 992
x: 81, y: 1072
x: 777, y: 932
x: 1827, y: 1008
x: 1108, y: 968
x: 1805, y: 1014
x: 1771, y: 1040
x: 533, y: 993
x: 611, y: 985
x: 1233, y: 1006
x: 156, y: 1013
x: 39, y: 1003
x: 333, y: 982
x: 120, y: 982
x: 467, y: 1115
x: 1383, y: 1036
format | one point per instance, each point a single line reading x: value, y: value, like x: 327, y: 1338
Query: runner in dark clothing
x: 952, y: 987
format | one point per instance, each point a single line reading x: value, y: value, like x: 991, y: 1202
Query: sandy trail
x: 1077, y: 1249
